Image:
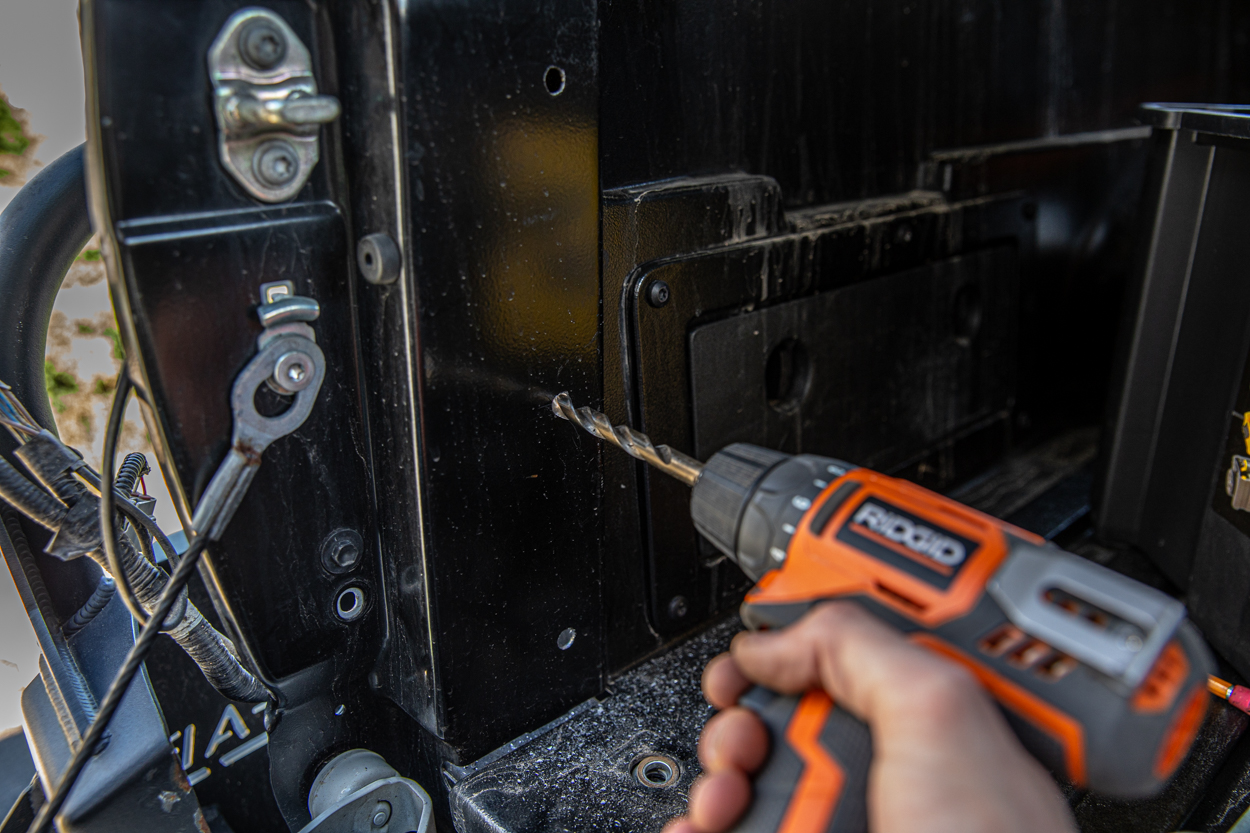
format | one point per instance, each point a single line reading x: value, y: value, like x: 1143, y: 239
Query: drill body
x: 1101, y: 677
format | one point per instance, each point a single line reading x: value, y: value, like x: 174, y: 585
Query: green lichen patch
x: 59, y: 384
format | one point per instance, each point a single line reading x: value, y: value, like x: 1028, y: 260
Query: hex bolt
x: 658, y: 294
x: 677, y: 607
x: 381, y: 814
x: 378, y: 258
x: 293, y: 371
x: 275, y: 163
x: 341, y: 551
x: 262, y: 44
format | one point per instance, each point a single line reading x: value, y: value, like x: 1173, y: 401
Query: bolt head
x: 276, y: 163
x: 381, y: 814
x: 293, y: 372
x: 658, y: 294
x: 262, y: 44
x: 345, y: 553
x: 677, y: 607
x: 341, y: 551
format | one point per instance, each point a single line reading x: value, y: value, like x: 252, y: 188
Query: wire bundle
x: 157, y: 600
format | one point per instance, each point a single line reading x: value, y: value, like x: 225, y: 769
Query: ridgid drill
x: 1101, y: 677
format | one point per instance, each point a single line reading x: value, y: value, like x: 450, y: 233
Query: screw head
x: 262, y: 44
x: 293, y: 371
x: 658, y: 294
x: 677, y: 607
x: 341, y: 551
x: 565, y: 640
x: 381, y: 814
x: 275, y: 163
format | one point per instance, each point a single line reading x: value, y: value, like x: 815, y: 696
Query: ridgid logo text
x: 918, y: 538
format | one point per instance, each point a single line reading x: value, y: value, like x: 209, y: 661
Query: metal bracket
x: 269, y: 114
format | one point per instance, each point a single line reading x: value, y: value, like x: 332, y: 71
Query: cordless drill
x: 1101, y: 677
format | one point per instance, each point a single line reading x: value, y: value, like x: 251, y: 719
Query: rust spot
x: 200, y: 824
x: 179, y: 777
x: 249, y: 453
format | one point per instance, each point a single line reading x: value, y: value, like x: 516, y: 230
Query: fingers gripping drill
x: 1101, y: 677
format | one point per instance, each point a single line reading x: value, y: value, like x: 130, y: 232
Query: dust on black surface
x: 579, y: 776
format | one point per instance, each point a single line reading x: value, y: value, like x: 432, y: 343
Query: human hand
x: 944, y: 758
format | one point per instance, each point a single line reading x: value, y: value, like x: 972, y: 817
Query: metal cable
x: 143, y: 580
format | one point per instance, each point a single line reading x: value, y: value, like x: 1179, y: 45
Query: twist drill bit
x: 635, y: 444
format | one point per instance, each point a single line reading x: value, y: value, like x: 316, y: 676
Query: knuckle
x: 943, y: 691
x: 832, y: 616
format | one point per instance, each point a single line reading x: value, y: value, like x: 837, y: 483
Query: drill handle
x: 816, y: 777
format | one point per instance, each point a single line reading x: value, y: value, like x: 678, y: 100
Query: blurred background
x: 42, y: 117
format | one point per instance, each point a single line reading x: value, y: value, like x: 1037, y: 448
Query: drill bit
x: 635, y: 444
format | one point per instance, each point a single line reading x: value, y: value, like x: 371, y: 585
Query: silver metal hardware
x: 254, y: 433
x: 287, y: 308
x: 1237, y: 483
x: 293, y: 372
x: 1124, y: 651
x: 358, y: 792
x: 350, y: 604
x: 275, y: 291
x: 657, y: 771
x: 269, y: 113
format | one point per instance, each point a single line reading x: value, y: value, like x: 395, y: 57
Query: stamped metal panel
x: 188, y: 251
x: 876, y: 373
x: 500, y: 107
x: 836, y: 249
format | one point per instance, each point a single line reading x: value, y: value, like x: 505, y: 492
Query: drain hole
x: 786, y: 375
x: 656, y: 771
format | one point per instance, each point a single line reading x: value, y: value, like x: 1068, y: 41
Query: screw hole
x: 656, y: 771
x: 350, y: 604
x: 786, y: 375
x: 270, y: 402
x: 553, y: 80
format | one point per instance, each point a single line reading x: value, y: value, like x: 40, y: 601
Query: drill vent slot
x: 896, y: 596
